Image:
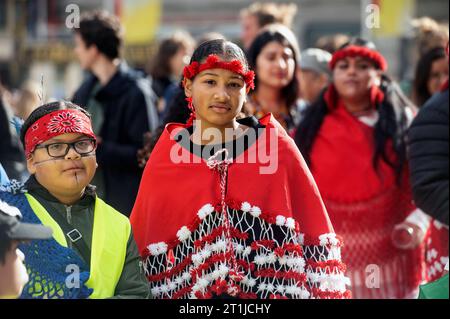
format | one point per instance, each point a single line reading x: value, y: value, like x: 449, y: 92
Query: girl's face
x: 13, y: 274
x: 275, y: 65
x: 438, y: 75
x: 353, y: 78
x: 218, y: 96
x: 67, y: 175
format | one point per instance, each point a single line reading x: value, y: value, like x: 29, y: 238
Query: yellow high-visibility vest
x: 109, y: 245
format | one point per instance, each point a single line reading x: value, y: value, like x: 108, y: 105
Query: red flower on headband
x: 354, y: 50
x: 191, y: 70
x: 214, y: 62
x: 66, y: 123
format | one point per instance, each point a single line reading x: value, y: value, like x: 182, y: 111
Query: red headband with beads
x: 55, y: 124
x: 354, y: 50
x: 214, y: 62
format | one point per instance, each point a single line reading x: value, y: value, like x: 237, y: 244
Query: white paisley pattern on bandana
x: 57, y: 123
x: 66, y: 122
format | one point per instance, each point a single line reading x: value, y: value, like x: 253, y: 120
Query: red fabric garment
x: 436, y: 251
x: 189, y: 251
x: 291, y: 190
x: 444, y: 86
x: 364, y: 205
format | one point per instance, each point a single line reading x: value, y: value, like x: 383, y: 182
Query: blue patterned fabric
x: 52, y: 268
x: 17, y: 123
x: 3, y: 177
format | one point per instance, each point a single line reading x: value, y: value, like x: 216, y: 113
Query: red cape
x: 365, y: 205
x: 170, y: 195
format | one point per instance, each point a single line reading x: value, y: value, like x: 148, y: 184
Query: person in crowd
x: 91, y: 240
x: 166, y: 67
x: 12, y: 157
x: 431, y: 74
x: 354, y: 140
x: 429, y: 34
x: 428, y: 157
x: 122, y: 105
x: 26, y: 100
x: 258, y: 15
x: 313, y: 74
x: 275, y: 56
x: 225, y: 237
x: 177, y: 109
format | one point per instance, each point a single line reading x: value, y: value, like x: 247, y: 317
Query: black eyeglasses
x: 82, y: 147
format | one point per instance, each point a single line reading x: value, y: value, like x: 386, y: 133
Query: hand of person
x: 407, y: 235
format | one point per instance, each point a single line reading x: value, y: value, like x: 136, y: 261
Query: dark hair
x: 285, y: 37
x: 423, y: 73
x: 160, y: 65
x: 103, y: 30
x: 392, y: 124
x: 225, y: 49
x: 44, y: 110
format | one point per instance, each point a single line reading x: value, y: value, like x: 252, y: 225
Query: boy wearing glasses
x: 93, y: 253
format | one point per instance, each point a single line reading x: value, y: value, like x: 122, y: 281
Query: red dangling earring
x: 191, y: 119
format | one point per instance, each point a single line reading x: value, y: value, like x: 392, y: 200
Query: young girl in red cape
x: 353, y: 139
x: 238, y: 217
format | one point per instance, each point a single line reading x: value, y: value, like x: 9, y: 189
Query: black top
x: 235, y: 147
x: 429, y: 157
x: 160, y: 85
x: 129, y: 112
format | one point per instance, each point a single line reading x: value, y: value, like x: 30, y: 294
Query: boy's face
x: 86, y: 55
x: 67, y: 175
x: 13, y: 274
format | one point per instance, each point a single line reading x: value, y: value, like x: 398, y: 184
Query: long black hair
x: 285, y: 37
x: 423, y: 73
x: 392, y: 124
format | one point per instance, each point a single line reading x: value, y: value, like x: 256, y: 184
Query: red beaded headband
x: 214, y: 62
x: 354, y: 50
x: 55, y: 124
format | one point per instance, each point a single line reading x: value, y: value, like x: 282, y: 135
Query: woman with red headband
x: 353, y: 138
x: 227, y: 208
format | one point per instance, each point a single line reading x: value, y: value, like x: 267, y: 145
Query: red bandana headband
x: 214, y: 62
x: 354, y: 50
x: 55, y: 124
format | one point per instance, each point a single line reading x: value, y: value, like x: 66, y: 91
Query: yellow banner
x: 395, y: 17
x: 141, y: 19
